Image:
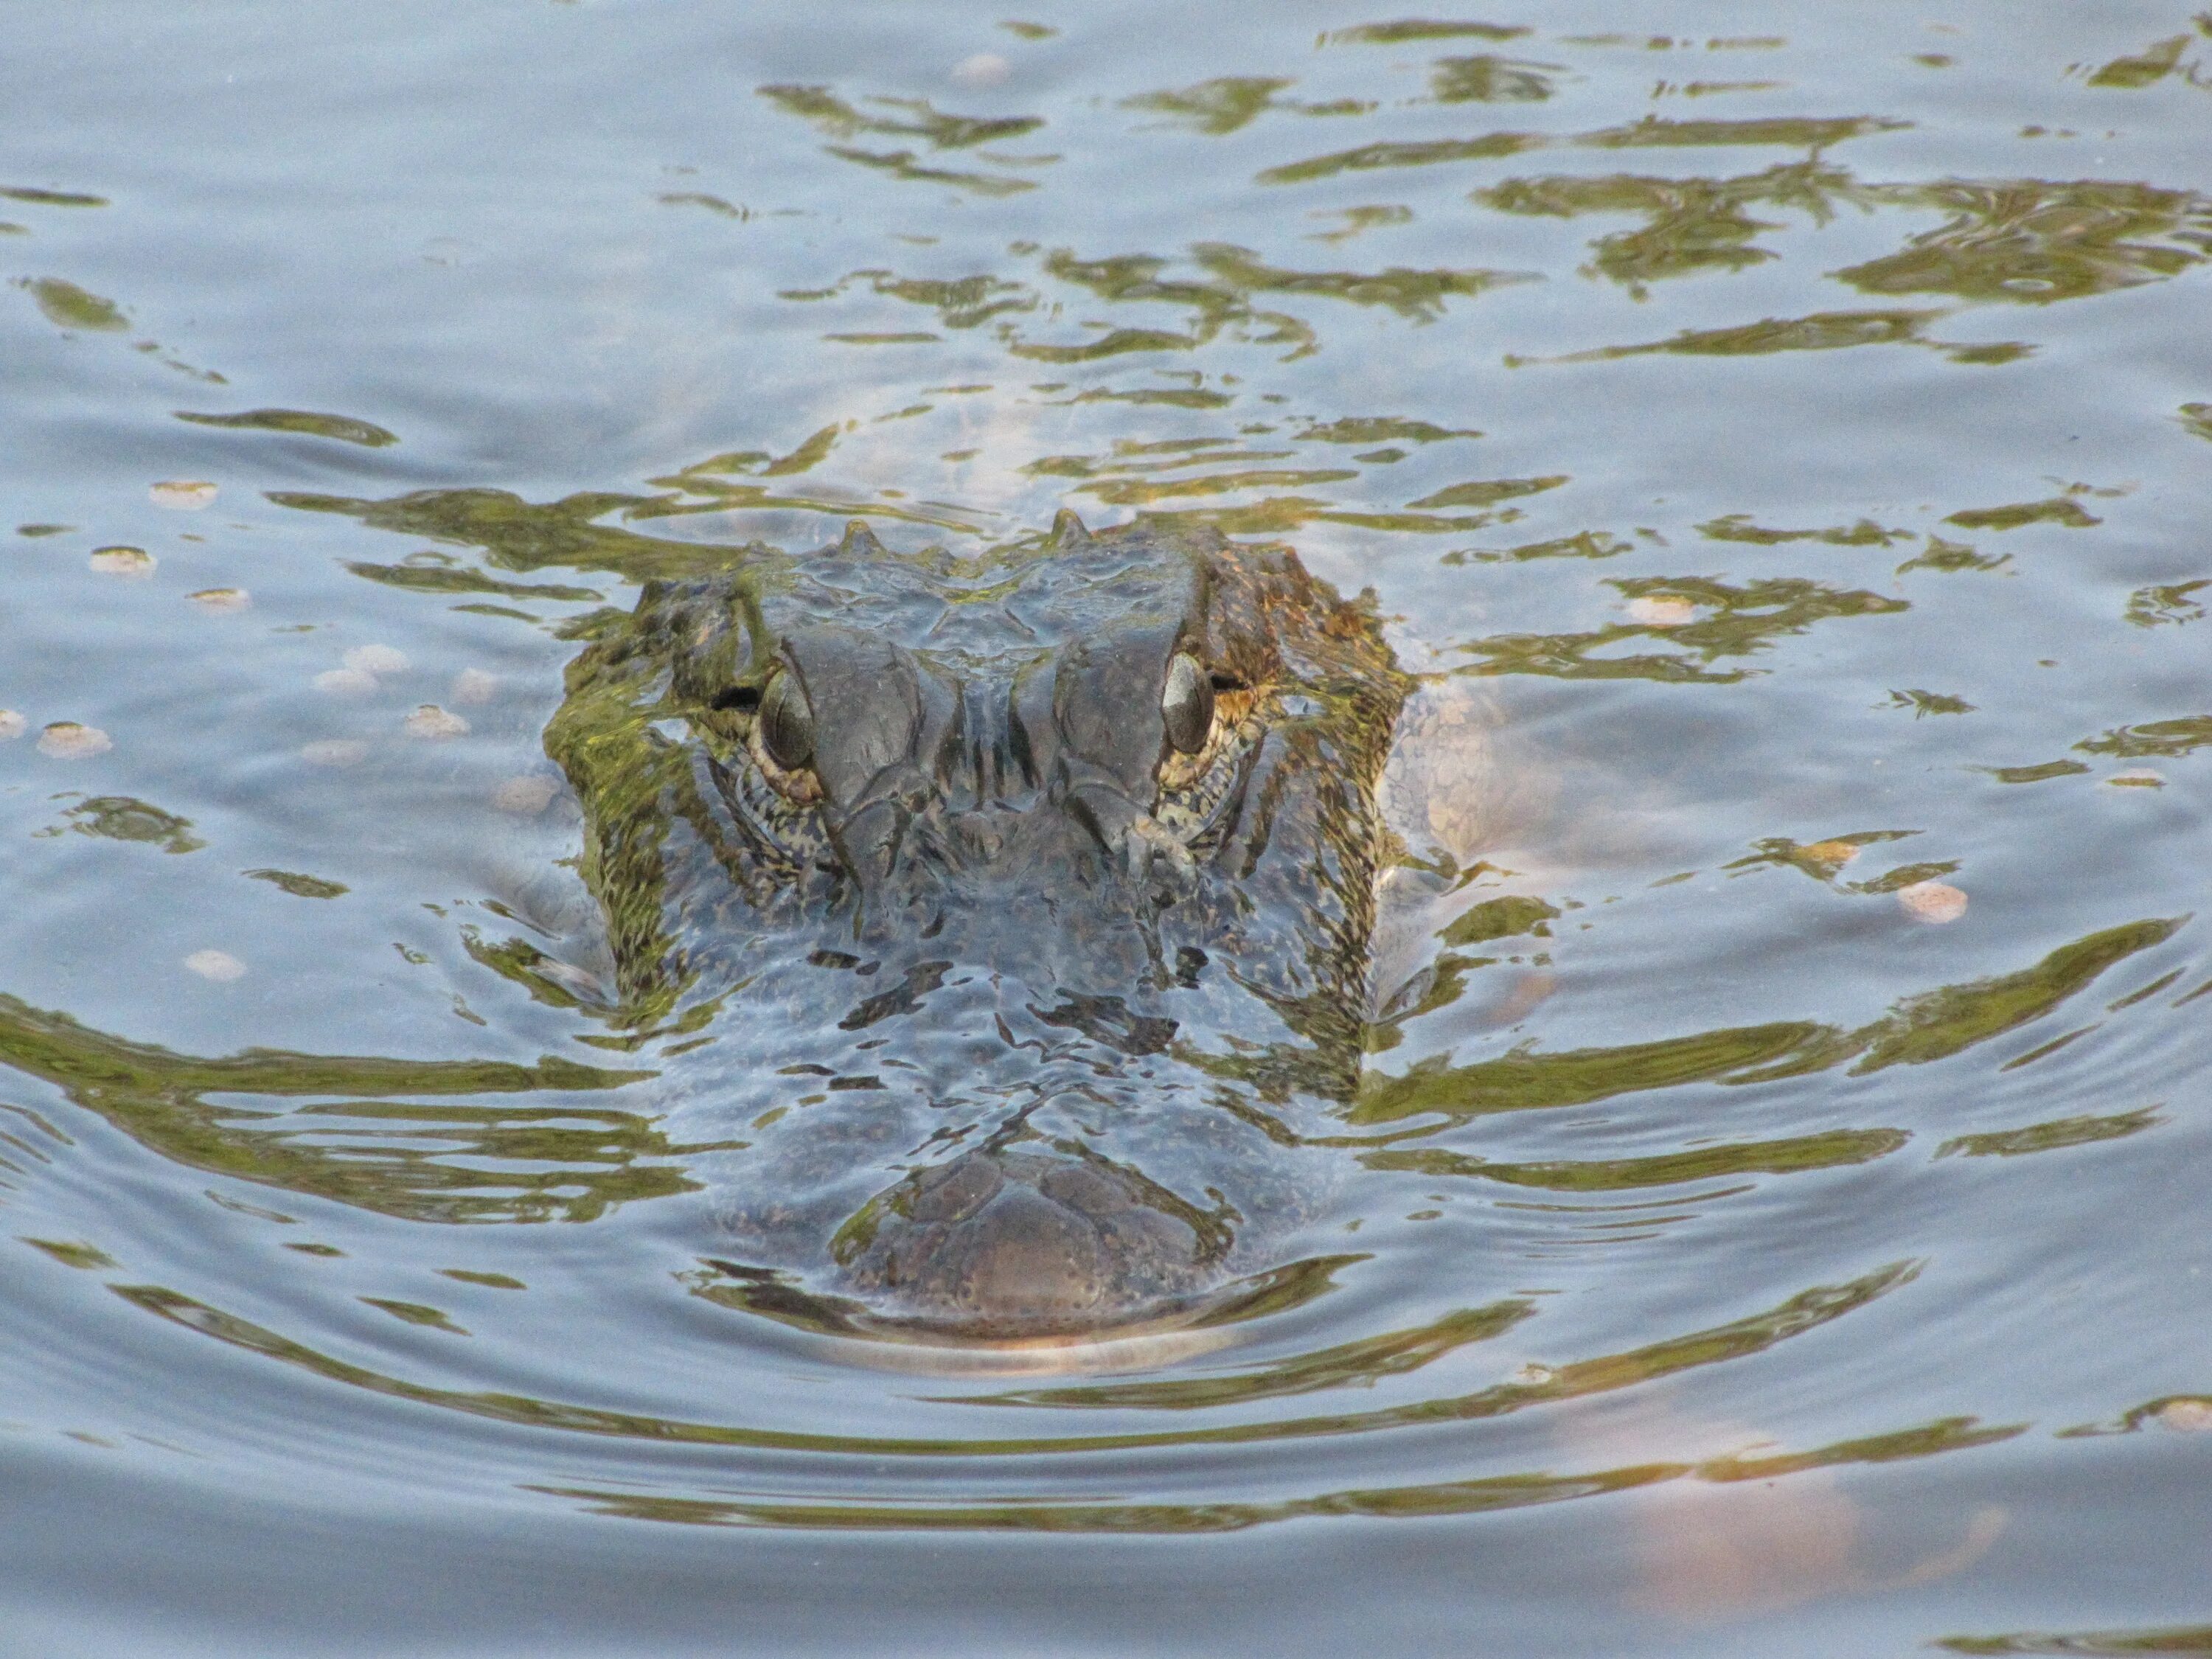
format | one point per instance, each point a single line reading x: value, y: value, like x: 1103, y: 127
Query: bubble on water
x: 183, y: 495
x: 72, y: 740
x: 2188, y: 1416
x: 1662, y: 611
x: 335, y: 751
x: 12, y: 726
x: 434, y: 723
x: 218, y: 965
x: 524, y: 796
x: 122, y: 562
x: 376, y: 659
x: 985, y: 69
x: 222, y: 599
x: 345, y: 682
x: 473, y: 685
x: 2138, y: 777
x: 1932, y: 901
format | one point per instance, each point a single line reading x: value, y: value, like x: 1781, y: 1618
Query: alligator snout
x: 1005, y: 1244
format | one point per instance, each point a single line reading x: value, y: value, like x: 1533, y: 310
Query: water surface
x: 1771, y: 1216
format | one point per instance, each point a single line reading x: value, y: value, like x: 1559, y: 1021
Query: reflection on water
x: 1701, y: 1017
x: 351, y: 1140
x: 2195, y: 1639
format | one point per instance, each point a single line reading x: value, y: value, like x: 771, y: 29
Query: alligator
x: 1022, y: 904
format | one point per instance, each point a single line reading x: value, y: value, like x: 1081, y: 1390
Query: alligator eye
x: 1187, y: 702
x: 786, y: 724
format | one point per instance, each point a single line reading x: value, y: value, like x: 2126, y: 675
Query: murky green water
x: 1772, y: 1216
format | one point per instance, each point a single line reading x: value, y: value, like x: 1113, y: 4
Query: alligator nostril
x: 1028, y: 1260
x: 1014, y: 1244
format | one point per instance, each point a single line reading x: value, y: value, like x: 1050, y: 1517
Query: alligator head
x: 1029, y: 895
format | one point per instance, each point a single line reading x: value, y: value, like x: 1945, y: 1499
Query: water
x: 1791, y: 421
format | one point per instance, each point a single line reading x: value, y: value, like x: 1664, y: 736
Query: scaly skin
x: 1025, y: 1012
